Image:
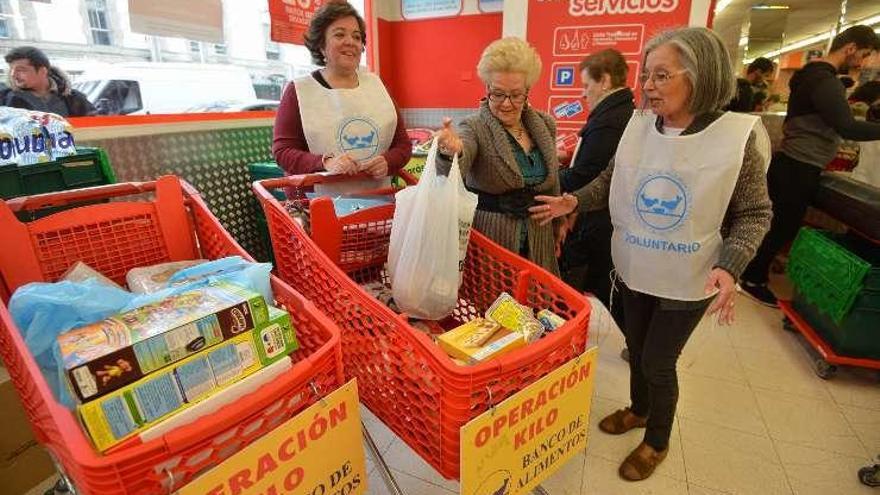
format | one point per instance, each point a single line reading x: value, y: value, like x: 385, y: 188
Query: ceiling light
x: 870, y: 21
x: 744, y: 41
x: 721, y: 5
x: 770, y: 7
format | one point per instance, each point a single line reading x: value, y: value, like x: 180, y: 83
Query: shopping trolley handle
x: 310, y: 180
x: 73, y: 196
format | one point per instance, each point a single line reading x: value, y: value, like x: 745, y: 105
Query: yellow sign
x: 526, y: 438
x: 319, y: 451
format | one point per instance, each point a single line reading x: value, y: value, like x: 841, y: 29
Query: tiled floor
x: 752, y: 418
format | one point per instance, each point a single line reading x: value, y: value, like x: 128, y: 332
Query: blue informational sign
x: 564, y: 76
x: 425, y: 9
x: 568, y: 109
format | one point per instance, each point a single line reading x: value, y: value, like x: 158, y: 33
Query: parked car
x: 145, y: 88
x: 236, y: 106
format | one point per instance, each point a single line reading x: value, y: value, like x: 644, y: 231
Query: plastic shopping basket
x: 169, y: 222
x: 403, y: 377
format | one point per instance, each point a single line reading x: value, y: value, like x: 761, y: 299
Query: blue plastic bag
x: 232, y: 269
x: 42, y: 311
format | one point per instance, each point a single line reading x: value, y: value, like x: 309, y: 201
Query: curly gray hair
x: 510, y: 54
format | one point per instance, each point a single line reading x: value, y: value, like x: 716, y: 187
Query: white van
x: 144, y: 88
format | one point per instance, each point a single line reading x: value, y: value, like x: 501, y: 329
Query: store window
x: 98, y: 22
x: 273, y: 49
x: 6, y: 22
x: 126, y: 71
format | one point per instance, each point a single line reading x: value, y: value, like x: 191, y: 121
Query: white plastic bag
x: 429, y: 235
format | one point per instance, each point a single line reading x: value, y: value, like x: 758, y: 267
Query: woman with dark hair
x: 339, y: 118
x: 586, y: 255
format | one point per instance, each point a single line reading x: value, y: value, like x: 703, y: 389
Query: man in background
x: 35, y: 85
x: 818, y: 117
x: 751, y: 91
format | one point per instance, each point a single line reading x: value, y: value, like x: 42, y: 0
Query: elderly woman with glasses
x: 507, y: 153
x: 688, y: 199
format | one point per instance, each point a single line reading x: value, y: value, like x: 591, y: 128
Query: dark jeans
x: 792, y: 184
x: 586, y: 264
x: 656, y: 332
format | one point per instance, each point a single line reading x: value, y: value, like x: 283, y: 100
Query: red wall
x: 433, y: 63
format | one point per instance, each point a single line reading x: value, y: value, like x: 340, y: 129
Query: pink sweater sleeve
x: 400, y: 151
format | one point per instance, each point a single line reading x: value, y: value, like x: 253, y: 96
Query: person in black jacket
x: 35, y: 85
x: 818, y: 117
x: 751, y: 91
x: 586, y: 254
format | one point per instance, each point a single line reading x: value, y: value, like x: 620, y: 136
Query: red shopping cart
x: 169, y: 221
x: 403, y: 377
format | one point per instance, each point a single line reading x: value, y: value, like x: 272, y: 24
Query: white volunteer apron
x: 667, y: 201
x: 359, y: 121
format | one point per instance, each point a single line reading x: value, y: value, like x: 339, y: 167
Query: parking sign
x: 564, y: 76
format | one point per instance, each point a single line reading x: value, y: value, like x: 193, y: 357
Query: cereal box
x: 117, y: 351
x: 479, y: 340
x: 140, y: 405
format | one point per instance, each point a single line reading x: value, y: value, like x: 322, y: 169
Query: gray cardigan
x: 487, y: 164
x: 748, y: 214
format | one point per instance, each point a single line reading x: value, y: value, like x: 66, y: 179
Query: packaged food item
x: 479, y: 340
x: 80, y: 272
x: 149, y: 279
x: 28, y: 137
x: 550, y: 320
x: 116, y: 416
x: 208, y: 405
x: 107, y: 355
x: 513, y: 315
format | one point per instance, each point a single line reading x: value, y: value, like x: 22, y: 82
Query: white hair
x: 510, y: 54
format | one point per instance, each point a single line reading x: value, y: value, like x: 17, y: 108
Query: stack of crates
x: 837, y: 290
x: 88, y: 167
x: 260, y: 171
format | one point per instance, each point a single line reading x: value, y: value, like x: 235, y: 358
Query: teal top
x: 534, y: 172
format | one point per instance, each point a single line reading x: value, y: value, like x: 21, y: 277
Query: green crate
x: 826, y: 272
x: 88, y: 167
x: 867, y: 251
x: 267, y: 170
x: 857, y: 335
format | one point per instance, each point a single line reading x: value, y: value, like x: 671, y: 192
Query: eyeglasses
x: 659, y: 78
x: 499, y: 97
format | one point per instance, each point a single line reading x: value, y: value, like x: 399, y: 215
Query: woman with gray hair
x: 507, y: 153
x: 688, y: 201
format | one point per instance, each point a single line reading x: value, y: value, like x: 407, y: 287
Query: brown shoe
x: 641, y: 462
x: 621, y: 421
